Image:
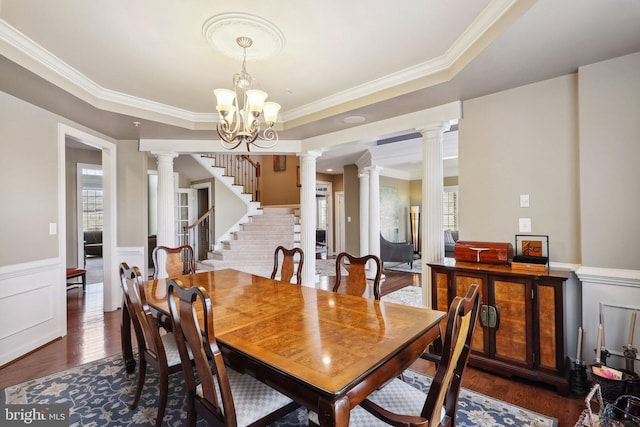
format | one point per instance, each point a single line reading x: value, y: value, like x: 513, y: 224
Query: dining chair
x: 177, y: 261
x: 156, y: 349
x: 223, y: 397
x: 398, y: 402
x: 355, y: 281
x: 287, y: 267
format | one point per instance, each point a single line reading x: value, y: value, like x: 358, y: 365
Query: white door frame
x: 329, y: 194
x: 340, y: 217
x: 112, y: 295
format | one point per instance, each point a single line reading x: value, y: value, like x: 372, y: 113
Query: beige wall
x: 29, y: 135
x: 522, y: 141
x: 29, y: 176
x: 131, y: 187
x: 279, y: 188
x: 609, y: 155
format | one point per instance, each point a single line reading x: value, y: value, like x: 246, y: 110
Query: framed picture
x: 279, y: 163
x: 531, y: 245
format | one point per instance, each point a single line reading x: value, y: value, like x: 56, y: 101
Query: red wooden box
x: 483, y: 252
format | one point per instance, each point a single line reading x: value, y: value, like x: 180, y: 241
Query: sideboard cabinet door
x: 513, y: 337
x: 462, y: 282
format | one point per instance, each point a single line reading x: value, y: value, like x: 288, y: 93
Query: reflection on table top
x: 327, y: 340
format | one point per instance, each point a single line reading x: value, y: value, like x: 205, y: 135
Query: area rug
x: 409, y: 295
x: 406, y: 268
x: 98, y: 394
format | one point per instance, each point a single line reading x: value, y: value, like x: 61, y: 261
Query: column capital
x: 434, y: 129
x: 373, y: 169
x: 310, y: 154
x: 165, y: 154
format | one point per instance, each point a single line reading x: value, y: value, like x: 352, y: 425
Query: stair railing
x: 244, y: 170
x: 189, y: 230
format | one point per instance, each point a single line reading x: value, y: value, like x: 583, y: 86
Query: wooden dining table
x: 325, y: 350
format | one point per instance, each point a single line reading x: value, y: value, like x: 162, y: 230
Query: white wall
x: 229, y: 209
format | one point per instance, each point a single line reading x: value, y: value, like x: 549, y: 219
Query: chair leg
x: 142, y: 371
x: 164, y: 392
x: 192, y: 416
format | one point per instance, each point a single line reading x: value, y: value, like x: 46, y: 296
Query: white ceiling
x: 109, y: 63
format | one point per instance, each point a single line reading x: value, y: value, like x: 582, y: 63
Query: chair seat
x: 75, y: 272
x: 171, y: 349
x: 252, y: 399
x: 397, y: 397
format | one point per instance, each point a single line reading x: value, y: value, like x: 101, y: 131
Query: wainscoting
x: 32, y: 303
x: 611, y: 295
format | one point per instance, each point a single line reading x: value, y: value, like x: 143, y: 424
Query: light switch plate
x: 524, y: 225
x: 53, y: 228
x: 524, y: 200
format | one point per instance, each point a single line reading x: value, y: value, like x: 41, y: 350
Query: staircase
x: 251, y: 248
x: 249, y: 244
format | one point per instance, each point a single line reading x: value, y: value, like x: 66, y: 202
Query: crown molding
x: 480, y: 27
x: 30, y: 55
x: 27, y: 53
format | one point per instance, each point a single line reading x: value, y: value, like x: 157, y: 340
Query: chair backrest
x: 445, y: 388
x: 144, y: 323
x: 178, y: 261
x: 287, y: 267
x: 216, y: 399
x: 355, y: 283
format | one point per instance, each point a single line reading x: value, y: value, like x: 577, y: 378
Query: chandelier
x: 241, y: 108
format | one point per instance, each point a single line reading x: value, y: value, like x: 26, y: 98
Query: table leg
x: 334, y: 413
x: 125, y: 340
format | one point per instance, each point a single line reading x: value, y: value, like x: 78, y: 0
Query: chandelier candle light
x: 239, y: 121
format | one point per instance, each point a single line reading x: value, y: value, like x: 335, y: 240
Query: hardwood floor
x: 93, y: 335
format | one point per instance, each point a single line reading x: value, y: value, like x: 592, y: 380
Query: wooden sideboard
x: 520, y: 328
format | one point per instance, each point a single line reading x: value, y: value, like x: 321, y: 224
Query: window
x: 450, y: 209
x: 92, y: 199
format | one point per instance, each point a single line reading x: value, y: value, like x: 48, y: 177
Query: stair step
x: 284, y: 229
x: 253, y: 256
x: 262, y: 235
x: 249, y: 244
x: 274, y: 219
x: 279, y: 210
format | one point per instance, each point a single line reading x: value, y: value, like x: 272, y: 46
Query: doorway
x: 106, y: 152
x: 324, y: 222
x: 89, y: 215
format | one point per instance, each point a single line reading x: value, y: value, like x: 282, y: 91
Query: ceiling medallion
x: 222, y: 31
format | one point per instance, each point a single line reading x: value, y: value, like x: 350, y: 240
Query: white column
x: 166, y: 204
x: 432, y: 189
x: 364, y: 212
x: 308, y: 215
x: 374, y: 209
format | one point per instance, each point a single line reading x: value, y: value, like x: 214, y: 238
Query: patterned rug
x: 409, y: 295
x: 98, y: 394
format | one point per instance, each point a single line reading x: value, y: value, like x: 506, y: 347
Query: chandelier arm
x: 269, y: 134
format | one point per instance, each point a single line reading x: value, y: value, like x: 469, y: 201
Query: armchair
x: 396, y: 252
